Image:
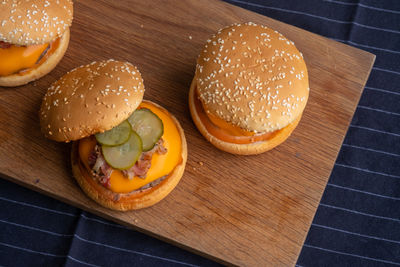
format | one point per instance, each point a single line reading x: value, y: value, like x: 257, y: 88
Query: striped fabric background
x: 358, y: 220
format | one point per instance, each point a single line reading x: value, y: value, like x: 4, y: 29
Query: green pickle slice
x: 116, y: 136
x: 124, y: 156
x: 148, y: 126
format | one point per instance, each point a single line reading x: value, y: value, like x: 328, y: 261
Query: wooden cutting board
x: 253, y: 210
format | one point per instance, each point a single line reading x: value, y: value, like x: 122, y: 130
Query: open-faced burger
x: 128, y: 153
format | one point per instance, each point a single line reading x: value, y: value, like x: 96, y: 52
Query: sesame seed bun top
x: 253, y: 77
x: 90, y: 99
x: 28, y: 22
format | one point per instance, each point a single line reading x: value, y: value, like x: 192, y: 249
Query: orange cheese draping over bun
x: 22, y: 59
x: 161, y: 165
x: 226, y: 131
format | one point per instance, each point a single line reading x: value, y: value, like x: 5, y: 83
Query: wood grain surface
x: 240, y: 210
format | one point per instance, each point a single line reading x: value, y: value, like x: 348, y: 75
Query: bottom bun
x: 240, y: 149
x: 42, y: 69
x: 137, y: 199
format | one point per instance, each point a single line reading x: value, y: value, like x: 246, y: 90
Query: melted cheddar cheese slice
x: 226, y: 131
x: 16, y: 58
x: 227, y: 127
x: 160, y: 164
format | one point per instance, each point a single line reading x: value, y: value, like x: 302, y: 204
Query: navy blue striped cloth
x: 358, y: 220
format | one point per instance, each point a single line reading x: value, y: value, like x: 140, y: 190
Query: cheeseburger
x: 249, y: 90
x: 127, y: 153
x: 34, y: 35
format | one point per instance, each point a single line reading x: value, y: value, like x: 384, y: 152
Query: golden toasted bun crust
x: 240, y: 149
x: 90, y: 99
x: 34, y: 21
x: 128, y: 201
x: 43, y: 69
x: 253, y: 77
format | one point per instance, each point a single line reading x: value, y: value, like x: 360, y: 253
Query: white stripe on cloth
x: 36, y: 229
x: 46, y: 254
x: 98, y: 244
x: 386, y: 70
x: 372, y: 47
x: 381, y: 90
x: 38, y: 207
x: 364, y: 6
x: 61, y: 212
x: 374, y: 130
x: 360, y: 213
x: 362, y: 191
x: 351, y: 254
x: 379, y: 110
x: 357, y: 234
x: 82, y: 262
x: 366, y: 170
x: 132, y: 251
x: 316, y: 16
x: 32, y: 251
x: 372, y: 150
x: 291, y: 11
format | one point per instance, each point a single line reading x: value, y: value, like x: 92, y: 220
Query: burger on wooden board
x: 34, y: 35
x: 127, y: 153
x: 249, y: 90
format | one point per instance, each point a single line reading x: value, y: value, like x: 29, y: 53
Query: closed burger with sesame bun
x: 127, y: 153
x: 249, y: 90
x: 34, y: 36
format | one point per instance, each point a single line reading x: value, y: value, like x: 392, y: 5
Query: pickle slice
x: 116, y: 136
x: 123, y: 157
x: 148, y: 126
